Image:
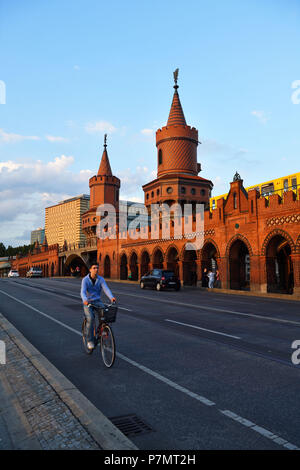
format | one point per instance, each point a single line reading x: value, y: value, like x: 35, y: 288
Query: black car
x: 160, y: 279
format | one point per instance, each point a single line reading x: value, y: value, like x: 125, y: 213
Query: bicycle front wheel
x: 107, y: 344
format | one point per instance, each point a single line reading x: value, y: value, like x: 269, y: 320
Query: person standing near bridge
x: 91, y: 288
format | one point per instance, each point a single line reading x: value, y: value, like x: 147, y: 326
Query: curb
x: 266, y: 295
x: 93, y: 420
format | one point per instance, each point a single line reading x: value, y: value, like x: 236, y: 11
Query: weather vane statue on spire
x: 105, y: 139
x: 176, y: 77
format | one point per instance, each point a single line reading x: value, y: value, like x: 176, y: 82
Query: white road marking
x: 264, y: 432
x: 38, y: 311
x: 205, y: 401
x: 60, y: 294
x: 259, y: 317
x: 205, y: 329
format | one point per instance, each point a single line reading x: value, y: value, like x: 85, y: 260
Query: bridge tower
x: 177, y: 168
x: 104, y: 189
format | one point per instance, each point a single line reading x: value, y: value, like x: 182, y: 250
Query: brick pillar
x: 224, y: 269
x: 180, y: 265
x: 257, y: 267
x: 295, y: 257
x: 264, y: 263
x: 199, y: 271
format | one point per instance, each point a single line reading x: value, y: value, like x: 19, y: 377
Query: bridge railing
x: 90, y: 243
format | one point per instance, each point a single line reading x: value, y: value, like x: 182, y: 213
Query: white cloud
x: 132, y: 181
x: 53, y: 138
x: 27, y: 187
x: 147, y: 132
x: 9, y: 137
x: 261, y: 116
x: 99, y: 127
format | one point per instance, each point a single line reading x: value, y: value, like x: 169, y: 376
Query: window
x: 152, y: 193
x: 157, y: 192
x: 156, y: 272
x: 294, y: 183
x: 160, y: 157
x: 202, y: 192
x: 193, y: 191
x: 267, y: 189
x: 235, y: 201
x: 169, y: 190
x: 183, y: 190
x: 286, y: 185
x: 214, y: 204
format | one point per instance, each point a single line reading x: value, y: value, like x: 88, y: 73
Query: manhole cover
x: 131, y: 425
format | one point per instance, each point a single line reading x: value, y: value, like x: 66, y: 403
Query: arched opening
x: 190, y: 276
x: 75, y: 266
x: 52, y: 269
x: 123, y: 267
x: 209, y: 256
x: 158, y: 260
x: 279, y: 265
x: 239, y: 266
x: 145, y: 262
x: 172, y: 261
x: 134, y: 270
x: 107, y: 266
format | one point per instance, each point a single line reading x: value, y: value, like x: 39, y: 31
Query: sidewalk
x: 40, y: 409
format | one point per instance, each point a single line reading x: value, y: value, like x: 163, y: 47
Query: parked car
x: 160, y: 279
x: 34, y: 272
x: 13, y: 273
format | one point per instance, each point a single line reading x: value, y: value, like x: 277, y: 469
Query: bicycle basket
x: 108, y: 314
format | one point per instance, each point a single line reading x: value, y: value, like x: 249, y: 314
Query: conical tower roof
x: 104, y: 168
x: 176, y: 116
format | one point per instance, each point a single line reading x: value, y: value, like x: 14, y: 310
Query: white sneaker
x: 90, y: 345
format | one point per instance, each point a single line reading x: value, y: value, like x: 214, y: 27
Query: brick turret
x: 104, y: 189
x: 177, y: 166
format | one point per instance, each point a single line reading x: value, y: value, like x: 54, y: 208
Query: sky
x: 73, y: 70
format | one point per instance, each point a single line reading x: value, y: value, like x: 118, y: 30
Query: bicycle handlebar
x: 105, y: 305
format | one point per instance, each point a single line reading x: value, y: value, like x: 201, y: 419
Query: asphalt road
x: 202, y: 370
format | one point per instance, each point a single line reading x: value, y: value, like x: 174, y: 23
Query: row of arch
x: 277, y: 249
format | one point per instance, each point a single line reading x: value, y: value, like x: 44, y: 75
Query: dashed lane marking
x: 205, y: 329
x: 59, y: 294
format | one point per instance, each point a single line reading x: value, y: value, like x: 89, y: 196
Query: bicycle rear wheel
x: 107, y: 345
x: 84, y: 340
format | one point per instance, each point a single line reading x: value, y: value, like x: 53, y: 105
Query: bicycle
x: 103, y: 333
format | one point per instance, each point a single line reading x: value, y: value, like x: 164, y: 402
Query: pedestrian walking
x: 204, y: 278
x: 218, y: 279
x: 211, y: 279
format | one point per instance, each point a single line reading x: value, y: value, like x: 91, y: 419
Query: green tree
x: 2, y: 250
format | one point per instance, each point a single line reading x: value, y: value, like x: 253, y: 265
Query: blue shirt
x: 91, y: 292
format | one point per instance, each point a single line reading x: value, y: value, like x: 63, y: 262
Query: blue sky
x: 74, y: 70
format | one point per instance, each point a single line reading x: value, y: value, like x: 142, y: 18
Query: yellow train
x: 276, y: 186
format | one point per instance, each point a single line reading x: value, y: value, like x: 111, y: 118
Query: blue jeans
x: 89, y: 313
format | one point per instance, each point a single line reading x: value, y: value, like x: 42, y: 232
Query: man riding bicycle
x: 91, y: 287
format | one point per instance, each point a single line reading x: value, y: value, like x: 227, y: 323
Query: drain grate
x: 131, y: 425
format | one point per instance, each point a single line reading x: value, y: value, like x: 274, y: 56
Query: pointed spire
x: 45, y: 243
x: 104, y: 168
x: 176, y: 116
